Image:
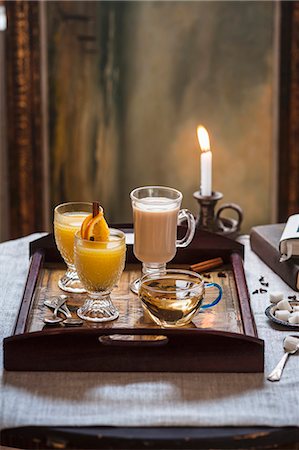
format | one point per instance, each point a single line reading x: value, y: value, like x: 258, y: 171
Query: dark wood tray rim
x: 168, y: 332
x: 43, y: 250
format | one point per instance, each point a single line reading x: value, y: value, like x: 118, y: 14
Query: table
x: 150, y: 409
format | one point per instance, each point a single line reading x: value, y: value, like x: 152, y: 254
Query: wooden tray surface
x: 225, y: 316
x: 220, y: 339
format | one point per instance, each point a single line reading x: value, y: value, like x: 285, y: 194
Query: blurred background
x: 101, y: 97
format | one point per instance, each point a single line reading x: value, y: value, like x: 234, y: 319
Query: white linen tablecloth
x: 147, y: 399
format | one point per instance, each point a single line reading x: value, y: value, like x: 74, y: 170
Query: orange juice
x: 99, y: 264
x: 65, y: 227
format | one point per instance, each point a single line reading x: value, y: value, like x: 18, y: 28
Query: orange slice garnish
x: 97, y: 229
x: 85, y: 225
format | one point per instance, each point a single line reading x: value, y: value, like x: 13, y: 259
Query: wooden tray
x: 222, y: 339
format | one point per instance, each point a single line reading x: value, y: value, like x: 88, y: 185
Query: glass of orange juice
x: 99, y: 266
x: 68, y: 218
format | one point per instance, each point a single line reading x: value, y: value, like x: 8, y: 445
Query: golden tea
x: 171, y: 299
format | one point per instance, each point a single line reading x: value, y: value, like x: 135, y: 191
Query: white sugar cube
x: 296, y: 308
x: 294, y: 318
x: 276, y: 297
x: 282, y: 314
x: 284, y: 304
x: 290, y: 343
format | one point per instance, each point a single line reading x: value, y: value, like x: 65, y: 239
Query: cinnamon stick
x: 95, y: 208
x: 207, y: 265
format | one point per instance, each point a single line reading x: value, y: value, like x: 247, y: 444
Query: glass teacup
x: 172, y: 299
x: 156, y: 213
x: 68, y: 218
x: 99, y: 266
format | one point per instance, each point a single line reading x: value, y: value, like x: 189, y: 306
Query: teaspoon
x: 69, y: 321
x: 55, y: 319
x: 290, y: 345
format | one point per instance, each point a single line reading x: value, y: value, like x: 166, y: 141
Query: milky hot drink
x: 156, y: 217
x: 155, y: 224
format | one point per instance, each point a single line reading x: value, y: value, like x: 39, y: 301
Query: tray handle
x: 133, y: 340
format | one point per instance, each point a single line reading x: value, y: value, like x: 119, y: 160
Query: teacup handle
x: 185, y: 214
x: 217, y: 300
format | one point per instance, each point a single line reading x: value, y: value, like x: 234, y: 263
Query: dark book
x: 264, y: 240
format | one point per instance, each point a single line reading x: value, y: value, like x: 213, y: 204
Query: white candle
x: 206, y: 161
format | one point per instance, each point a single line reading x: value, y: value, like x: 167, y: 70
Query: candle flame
x: 203, y: 138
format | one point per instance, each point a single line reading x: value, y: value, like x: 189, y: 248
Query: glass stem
x: 148, y: 268
x: 71, y: 272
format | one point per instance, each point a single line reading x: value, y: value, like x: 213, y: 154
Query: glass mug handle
x: 185, y: 214
x: 217, y: 300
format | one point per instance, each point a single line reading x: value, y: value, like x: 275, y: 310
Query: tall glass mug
x: 68, y: 218
x: 156, y: 214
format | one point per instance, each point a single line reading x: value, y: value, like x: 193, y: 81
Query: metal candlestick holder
x: 208, y: 220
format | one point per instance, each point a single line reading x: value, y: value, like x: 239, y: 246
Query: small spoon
x: 72, y: 322
x: 55, y: 319
x: 69, y: 321
x: 290, y: 345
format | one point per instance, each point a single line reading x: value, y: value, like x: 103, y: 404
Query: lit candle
x: 205, y: 161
